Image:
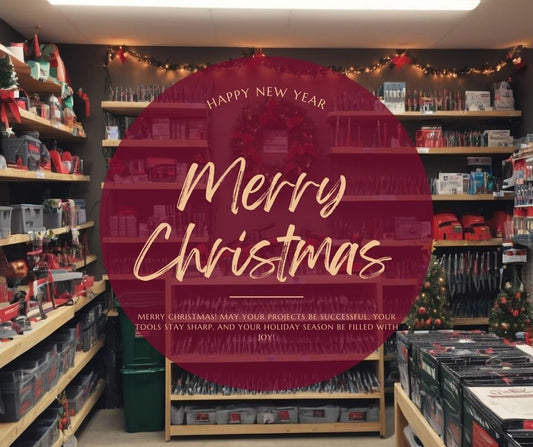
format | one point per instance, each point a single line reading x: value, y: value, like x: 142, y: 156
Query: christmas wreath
x: 274, y: 115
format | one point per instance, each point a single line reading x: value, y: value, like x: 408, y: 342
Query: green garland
x: 513, y: 58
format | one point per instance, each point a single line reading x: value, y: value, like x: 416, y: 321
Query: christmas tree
x: 511, y: 311
x: 431, y: 309
x: 8, y: 76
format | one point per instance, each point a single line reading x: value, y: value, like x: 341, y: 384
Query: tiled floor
x: 106, y: 428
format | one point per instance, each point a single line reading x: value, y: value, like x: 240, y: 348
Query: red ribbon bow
x: 8, y: 103
x: 85, y: 98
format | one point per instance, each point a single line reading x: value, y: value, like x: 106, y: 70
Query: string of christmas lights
x: 513, y: 58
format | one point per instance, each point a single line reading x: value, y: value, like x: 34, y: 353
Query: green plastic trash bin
x: 137, y: 352
x: 144, y: 399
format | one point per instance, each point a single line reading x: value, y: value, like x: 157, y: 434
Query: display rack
x: 406, y: 413
x: 56, y: 318
x: 244, y: 429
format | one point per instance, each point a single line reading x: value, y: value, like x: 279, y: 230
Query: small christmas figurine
x: 431, y: 309
x: 511, y: 311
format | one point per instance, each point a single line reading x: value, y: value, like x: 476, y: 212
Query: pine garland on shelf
x: 431, y: 309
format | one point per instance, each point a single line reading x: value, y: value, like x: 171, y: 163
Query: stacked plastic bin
x: 143, y: 380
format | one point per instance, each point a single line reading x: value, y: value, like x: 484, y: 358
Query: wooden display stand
x: 13, y: 349
x: 406, y: 413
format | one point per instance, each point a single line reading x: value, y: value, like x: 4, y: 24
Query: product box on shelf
x: 477, y: 100
x: 452, y: 183
x: 497, y: 138
x: 5, y: 221
x: 233, y: 414
x: 16, y: 392
x: 318, y: 414
x: 22, y: 152
x: 354, y: 414
x: 43, y: 432
x: 429, y: 136
x: 519, y: 438
x: 277, y: 415
x: 200, y: 415
x: 26, y: 217
x: 452, y: 378
x: 490, y: 411
x: 393, y: 94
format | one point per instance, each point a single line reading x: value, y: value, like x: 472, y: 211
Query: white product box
x: 452, y: 183
x: 477, y: 100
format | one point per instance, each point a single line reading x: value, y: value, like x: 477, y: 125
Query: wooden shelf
x: 145, y: 186
x: 77, y: 420
x: 142, y: 240
x: 270, y: 280
x: 247, y: 358
x: 400, y: 282
x: 10, y: 431
x: 25, y: 79
x: 465, y: 150
x: 355, y: 150
x: 460, y: 150
x: 274, y: 396
x: 22, y: 238
x: 386, y: 198
x: 479, y: 321
x: 97, y: 289
x: 130, y: 108
x: 468, y: 197
x: 248, y: 429
x: 47, y: 129
x: 10, y: 350
x: 490, y: 243
x: 20, y: 175
x: 40, y: 330
x: 419, y: 116
x: 406, y: 413
x: 89, y: 259
x: 160, y: 144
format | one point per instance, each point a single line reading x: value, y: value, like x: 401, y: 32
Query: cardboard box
x: 452, y: 183
x: 477, y: 100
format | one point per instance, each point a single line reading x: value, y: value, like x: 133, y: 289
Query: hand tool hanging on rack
x: 472, y: 273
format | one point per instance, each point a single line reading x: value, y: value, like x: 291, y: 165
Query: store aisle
x: 106, y: 429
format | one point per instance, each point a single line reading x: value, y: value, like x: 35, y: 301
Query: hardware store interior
x: 293, y: 223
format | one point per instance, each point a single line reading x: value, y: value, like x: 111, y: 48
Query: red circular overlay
x: 265, y: 223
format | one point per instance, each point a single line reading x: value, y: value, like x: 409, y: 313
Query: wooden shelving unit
x: 479, y: 321
x: 89, y: 259
x: 19, y: 175
x: 208, y: 430
x: 22, y: 238
x: 406, y: 413
x: 47, y: 129
x: 10, y: 431
x: 28, y: 82
x: 463, y: 243
x: 468, y: 197
x: 421, y: 116
x: 145, y: 186
x: 56, y: 318
x: 168, y: 144
x: 142, y: 240
x: 130, y: 108
x: 459, y: 150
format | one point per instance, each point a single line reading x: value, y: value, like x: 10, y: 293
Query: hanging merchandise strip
x: 474, y: 278
x: 512, y: 58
